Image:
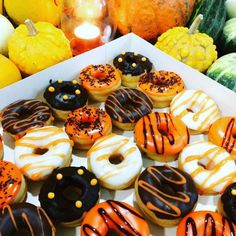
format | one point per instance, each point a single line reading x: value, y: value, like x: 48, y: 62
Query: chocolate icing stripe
x: 227, y: 136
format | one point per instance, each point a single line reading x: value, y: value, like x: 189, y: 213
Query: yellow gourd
x: 187, y: 45
x: 35, y: 47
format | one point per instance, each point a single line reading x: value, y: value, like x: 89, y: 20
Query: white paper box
x: 33, y: 86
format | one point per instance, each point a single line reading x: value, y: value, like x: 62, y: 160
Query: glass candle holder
x: 86, y: 24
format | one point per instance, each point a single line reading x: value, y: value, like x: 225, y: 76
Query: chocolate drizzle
x: 125, y: 228
x: 74, y: 101
x: 166, y: 191
x: 128, y: 105
x: 128, y: 58
x: 226, y: 142
x: 21, y: 115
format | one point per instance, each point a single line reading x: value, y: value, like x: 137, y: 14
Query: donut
x: 165, y: 194
x: 1, y: 147
x: 68, y: 194
x: 161, y: 87
x: 223, y: 133
x: 161, y: 136
x: 41, y: 151
x: 227, y: 202
x: 85, y: 125
x: 210, y: 166
x: 100, y: 81
x: 12, y: 184
x: 64, y: 97
x: 25, y: 218
x: 126, y: 106
x: 131, y: 66
x: 196, y: 109
x: 114, y: 218
x: 205, y: 223
x: 115, y: 160
x: 22, y: 115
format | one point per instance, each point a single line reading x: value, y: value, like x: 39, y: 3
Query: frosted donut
x: 196, y: 109
x: 41, y: 151
x: 223, y: 133
x: 210, y: 166
x: 115, y: 160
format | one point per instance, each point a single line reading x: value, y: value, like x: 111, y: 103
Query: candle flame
x: 87, y: 31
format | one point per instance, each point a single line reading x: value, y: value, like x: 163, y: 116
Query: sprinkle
x: 120, y: 59
x: 134, y: 64
x: 144, y: 59
x: 93, y: 182
x: 78, y: 204
x: 65, y: 97
x: 51, y: 195
x: 77, y: 91
x: 123, y: 53
x: 135, y: 54
x: 80, y: 172
x: 51, y: 89
x: 59, y: 176
x: 233, y: 192
x: 74, y: 81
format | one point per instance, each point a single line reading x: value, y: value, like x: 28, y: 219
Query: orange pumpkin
x: 149, y: 18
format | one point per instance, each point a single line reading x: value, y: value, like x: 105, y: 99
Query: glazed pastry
x: 20, y: 116
x: 115, y: 160
x: 161, y: 87
x: 114, y: 218
x: 27, y: 219
x: 223, y: 133
x: 131, y: 66
x: 68, y: 194
x: 227, y: 203
x: 64, y: 97
x: 85, y: 125
x: 41, y: 151
x: 196, y: 109
x: 126, y: 106
x: 210, y: 166
x: 1, y: 147
x: 12, y: 184
x: 165, y: 194
x: 161, y: 136
x: 100, y: 81
x: 205, y: 223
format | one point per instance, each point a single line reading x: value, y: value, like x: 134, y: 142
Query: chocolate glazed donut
x: 165, y: 193
x: 22, y: 115
x: 26, y: 219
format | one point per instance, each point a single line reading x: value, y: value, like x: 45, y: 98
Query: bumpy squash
x: 214, y: 16
x: 192, y: 48
x: 35, y: 47
x: 223, y: 71
x: 149, y: 18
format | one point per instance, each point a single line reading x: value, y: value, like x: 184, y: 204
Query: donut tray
x: 33, y: 86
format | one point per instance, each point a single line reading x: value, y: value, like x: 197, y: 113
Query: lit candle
x: 86, y: 36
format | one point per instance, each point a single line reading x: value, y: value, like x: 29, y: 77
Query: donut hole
x: 24, y: 113
x: 40, y: 151
x: 112, y: 232
x: 67, y: 89
x: 129, y: 106
x: 130, y: 60
x: 72, y: 193
x: 193, y: 109
x: 163, y: 132
x: 206, y: 163
x: 234, y: 136
x: 84, y: 125
x: 116, y: 159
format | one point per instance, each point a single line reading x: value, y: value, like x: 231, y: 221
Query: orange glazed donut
x: 85, y: 125
x: 223, y: 133
x: 161, y: 136
x: 161, y: 86
x: 114, y: 218
x: 100, y: 81
x: 205, y: 223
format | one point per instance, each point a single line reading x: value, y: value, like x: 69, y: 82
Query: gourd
x: 188, y: 46
x: 214, y: 16
x: 149, y: 18
x: 223, y: 71
x: 35, y: 47
x: 228, y: 37
x: 231, y: 8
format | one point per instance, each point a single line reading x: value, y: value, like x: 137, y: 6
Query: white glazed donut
x: 196, y: 109
x: 210, y: 166
x: 125, y: 156
x: 42, y: 150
